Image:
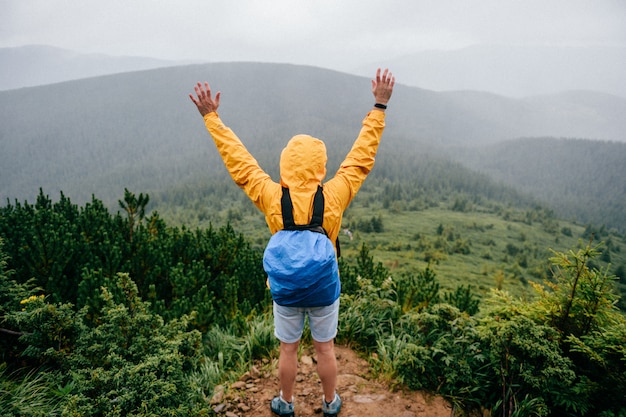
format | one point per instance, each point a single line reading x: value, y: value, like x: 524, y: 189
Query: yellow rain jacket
x: 302, y: 169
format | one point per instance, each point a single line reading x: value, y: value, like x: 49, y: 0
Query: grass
x: 26, y: 395
x: 464, y: 247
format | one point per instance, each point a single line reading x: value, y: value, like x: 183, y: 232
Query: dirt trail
x: 361, y: 395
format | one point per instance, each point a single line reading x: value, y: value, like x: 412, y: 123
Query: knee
x: 324, y: 348
x: 289, y: 348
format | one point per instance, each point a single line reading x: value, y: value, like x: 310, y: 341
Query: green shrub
x: 449, y: 358
x: 367, y: 315
x: 365, y: 268
x: 417, y: 291
x: 526, y: 363
x: 70, y: 252
x: 12, y: 295
x: 124, y: 360
x: 463, y: 299
x: 580, y: 303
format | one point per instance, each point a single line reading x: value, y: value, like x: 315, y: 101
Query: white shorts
x: 289, y: 322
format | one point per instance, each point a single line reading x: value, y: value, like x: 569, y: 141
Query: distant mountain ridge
x: 140, y: 130
x: 35, y: 65
x: 514, y: 71
x: 508, y: 70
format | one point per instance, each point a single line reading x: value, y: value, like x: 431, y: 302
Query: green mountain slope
x: 140, y: 131
x: 579, y: 179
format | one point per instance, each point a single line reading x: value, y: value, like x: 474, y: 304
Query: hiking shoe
x: 281, y: 407
x: 331, y: 409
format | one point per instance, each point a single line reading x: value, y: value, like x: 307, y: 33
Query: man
x: 302, y: 170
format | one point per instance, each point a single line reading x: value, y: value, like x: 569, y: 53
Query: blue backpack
x: 300, y: 260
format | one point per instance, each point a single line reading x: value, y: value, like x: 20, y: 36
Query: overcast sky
x: 337, y: 34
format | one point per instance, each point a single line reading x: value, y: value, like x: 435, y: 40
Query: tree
x: 72, y: 252
x: 417, y: 291
x: 135, y: 208
x: 580, y: 303
x: 582, y: 299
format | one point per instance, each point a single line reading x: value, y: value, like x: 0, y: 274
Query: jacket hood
x: 303, y: 163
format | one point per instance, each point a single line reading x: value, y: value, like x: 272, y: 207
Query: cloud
x: 328, y: 33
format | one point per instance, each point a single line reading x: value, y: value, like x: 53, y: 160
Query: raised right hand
x: 382, y: 86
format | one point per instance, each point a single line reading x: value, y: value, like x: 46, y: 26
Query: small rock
x: 238, y: 385
x: 365, y: 399
x: 231, y: 414
x: 218, y: 395
x: 219, y: 408
x: 243, y: 407
x: 306, y: 360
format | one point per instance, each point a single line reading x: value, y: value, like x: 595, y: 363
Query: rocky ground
x: 361, y: 394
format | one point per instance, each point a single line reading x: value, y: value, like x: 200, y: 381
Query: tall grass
x: 229, y: 353
x: 28, y: 394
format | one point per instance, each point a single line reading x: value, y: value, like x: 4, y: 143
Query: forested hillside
x: 139, y: 130
x: 580, y: 179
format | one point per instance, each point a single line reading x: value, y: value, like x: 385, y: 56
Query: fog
x: 326, y: 33
x: 347, y: 35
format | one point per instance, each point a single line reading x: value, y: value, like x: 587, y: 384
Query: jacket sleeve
x: 242, y: 166
x: 360, y: 160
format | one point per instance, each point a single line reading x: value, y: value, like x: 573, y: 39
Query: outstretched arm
x: 241, y: 165
x: 360, y: 160
x: 205, y: 103
x: 382, y: 87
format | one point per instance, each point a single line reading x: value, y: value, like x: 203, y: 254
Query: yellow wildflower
x: 31, y: 299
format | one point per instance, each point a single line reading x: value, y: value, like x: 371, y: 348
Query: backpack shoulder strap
x: 318, y: 208
x: 287, y: 208
x: 316, y: 220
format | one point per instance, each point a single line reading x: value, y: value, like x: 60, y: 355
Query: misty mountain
x: 140, y: 130
x: 574, y: 114
x: 580, y: 179
x: 514, y: 71
x: 34, y: 65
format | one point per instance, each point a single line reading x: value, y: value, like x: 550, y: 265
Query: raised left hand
x: 204, y: 102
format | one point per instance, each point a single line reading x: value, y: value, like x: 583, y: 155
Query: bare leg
x: 327, y: 367
x: 287, y: 369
